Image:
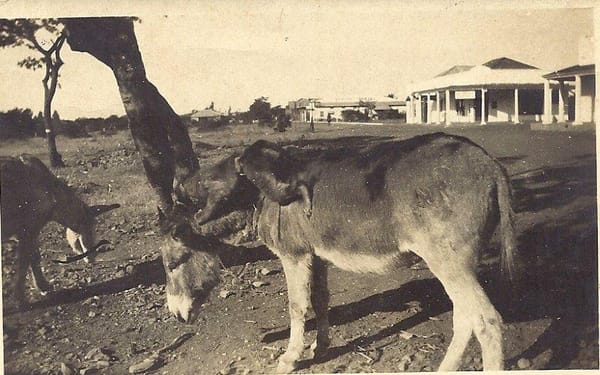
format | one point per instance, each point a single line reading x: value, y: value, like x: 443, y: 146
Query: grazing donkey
x: 437, y: 196
x: 31, y: 197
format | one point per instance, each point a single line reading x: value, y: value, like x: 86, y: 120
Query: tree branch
x: 38, y: 46
x: 57, y: 45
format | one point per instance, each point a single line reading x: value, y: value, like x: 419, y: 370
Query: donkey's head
x: 81, y: 236
x: 191, y: 265
x: 235, y: 182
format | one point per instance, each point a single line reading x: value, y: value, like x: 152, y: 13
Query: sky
x: 231, y: 52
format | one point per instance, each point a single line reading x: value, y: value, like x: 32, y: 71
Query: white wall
x: 505, y: 101
x: 587, y: 99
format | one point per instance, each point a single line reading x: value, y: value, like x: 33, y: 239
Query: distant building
x: 500, y: 90
x: 318, y: 109
x: 205, y: 114
x: 570, y: 95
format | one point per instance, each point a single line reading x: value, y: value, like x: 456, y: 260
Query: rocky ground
x: 110, y: 317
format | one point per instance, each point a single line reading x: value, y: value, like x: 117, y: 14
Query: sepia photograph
x: 310, y: 187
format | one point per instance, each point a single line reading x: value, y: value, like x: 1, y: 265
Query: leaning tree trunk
x: 50, y: 83
x: 158, y: 132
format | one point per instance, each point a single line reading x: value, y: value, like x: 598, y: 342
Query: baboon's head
x: 191, y: 264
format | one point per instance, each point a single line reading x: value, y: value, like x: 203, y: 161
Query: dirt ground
x: 105, y: 317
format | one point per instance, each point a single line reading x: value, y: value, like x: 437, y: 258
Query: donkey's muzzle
x: 100, y: 247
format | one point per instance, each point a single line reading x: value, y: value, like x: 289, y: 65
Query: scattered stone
x: 406, y: 335
x: 258, y: 284
x: 120, y: 274
x: 66, y: 370
x: 101, y: 364
x: 92, y: 314
x: 405, y: 362
x: 419, y: 356
x: 225, y: 293
x: 150, y: 363
x: 99, y: 354
x: 266, y: 271
x: 523, y: 363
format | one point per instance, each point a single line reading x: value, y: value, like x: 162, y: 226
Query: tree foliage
x: 261, y: 110
x: 22, y: 32
x: 18, y: 123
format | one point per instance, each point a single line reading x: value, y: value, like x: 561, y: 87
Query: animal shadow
x: 554, y: 187
x: 428, y: 292
x: 145, y: 273
x: 558, y: 254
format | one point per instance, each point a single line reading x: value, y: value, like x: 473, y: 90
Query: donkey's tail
x: 507, y: 233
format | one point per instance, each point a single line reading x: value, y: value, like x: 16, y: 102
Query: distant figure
x: 329, y: 119
x: 282, y: 122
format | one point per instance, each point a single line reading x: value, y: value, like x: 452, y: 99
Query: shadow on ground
x: 429, y: 293
x: 554, y: 187
x: 559, y: 258
x: 146, y: 273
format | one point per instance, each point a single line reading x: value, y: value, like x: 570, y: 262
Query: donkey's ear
x: 270, y: 169
x: 102, y: 208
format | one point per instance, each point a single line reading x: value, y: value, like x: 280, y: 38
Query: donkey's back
x: 372, y: 208
x: 27, y: 188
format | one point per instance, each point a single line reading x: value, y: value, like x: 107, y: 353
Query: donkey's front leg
x: 298, y: 276
x: 39, y: 280
x: 23, y: 260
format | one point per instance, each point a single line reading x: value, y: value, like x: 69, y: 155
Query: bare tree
x: 22, y: 32
x: 158, y: 132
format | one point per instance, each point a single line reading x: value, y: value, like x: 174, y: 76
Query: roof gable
x: 455, y: 69
x: 506, y: 63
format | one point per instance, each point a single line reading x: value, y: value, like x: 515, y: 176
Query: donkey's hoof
x: 317, y: 352
x: 286, y: 367
x: 44, y: 288
x: 45, y: 292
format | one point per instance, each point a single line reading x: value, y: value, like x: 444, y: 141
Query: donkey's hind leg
x: 320, y: 303
x: 473, y: 311
x: 298, y: 277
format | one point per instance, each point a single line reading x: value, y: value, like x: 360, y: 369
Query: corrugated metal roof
x: 572, y: 71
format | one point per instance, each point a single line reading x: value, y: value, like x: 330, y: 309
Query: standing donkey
x: 31, y: 197
x: 438, y: 196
